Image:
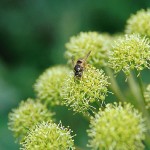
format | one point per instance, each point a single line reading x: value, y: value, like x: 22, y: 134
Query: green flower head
x: 139, y: 23
x: 80, y: 45
x: 48, y: 136
x: 79, y: 94
x: 130, y: 52
x: 28, y: 114
x: 147, y: 96
x: 117, y: 128
x: 48, y: 85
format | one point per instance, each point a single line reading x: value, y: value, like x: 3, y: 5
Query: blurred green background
x: 32, y: 38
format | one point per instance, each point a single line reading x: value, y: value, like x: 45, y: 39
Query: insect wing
x: 87, y: 55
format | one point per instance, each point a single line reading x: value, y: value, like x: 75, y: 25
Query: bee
x: 79, y: 67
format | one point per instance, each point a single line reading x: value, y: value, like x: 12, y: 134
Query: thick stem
x: 134, y: 88
x: 140, y: 82
x: 137, y: 91
x: 141, y: 86
x: 114, y: 85
x: 141, y: 89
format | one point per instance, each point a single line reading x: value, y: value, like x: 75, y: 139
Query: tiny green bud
x: 139, y: 23
x: 48, y: 85
x: 147, y: 96
x: 117, y: 128
x: 28, y: 114
x: 80, y: 45
x: 130, y: 52
x: 48, y: 136
x: 79, y: 94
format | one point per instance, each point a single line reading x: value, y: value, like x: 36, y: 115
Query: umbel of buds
x: 139, y: 23
x: 100, y: 44
x: 48, y: 85
x: 130, y: 52
x: 79, y: 94
x: 48, y: 136
x: 28, y: 114
x: 117, y: 128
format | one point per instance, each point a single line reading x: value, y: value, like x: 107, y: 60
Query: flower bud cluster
x: 130, y: 52
x: 79, y: 94
x: 48, y: 136
x: 139, y: 23
x: 80, y: 45
x: 28, y: 114
x: 117, y: 128
x: 49, y: 84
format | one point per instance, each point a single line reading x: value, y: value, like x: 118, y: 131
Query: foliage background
x: 32, y: 38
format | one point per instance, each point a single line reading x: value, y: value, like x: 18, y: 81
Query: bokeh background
x: 32, y: 37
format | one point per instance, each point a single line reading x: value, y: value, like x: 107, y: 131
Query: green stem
x: 134, y: 88
x: 138, y: 92
x: 142, y: 93
x: 141, y: 86
x: 114, y: 85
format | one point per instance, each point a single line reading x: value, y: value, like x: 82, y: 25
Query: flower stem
x: 140, y: 85
x: 138, y: 92
x: 134, y: 88
x: 140, y: 82
x: 114, y: 85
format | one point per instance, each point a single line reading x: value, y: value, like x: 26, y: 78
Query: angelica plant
x: 120, y: 125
